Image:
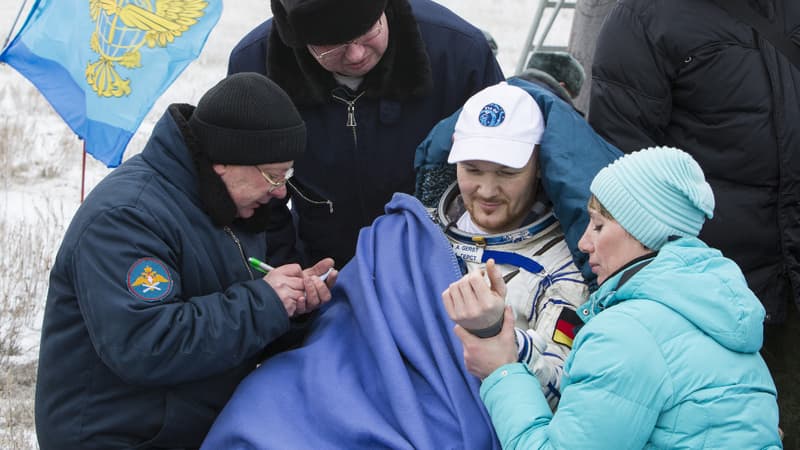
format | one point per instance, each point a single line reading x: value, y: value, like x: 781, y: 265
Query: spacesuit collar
x: 451, y: 207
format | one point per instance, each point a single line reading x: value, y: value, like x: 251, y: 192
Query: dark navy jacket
x: 130, y: 361
x: 683, y: 73
x: 434, y: 62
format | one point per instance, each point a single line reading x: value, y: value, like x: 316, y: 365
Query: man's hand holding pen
x: 301, y: 291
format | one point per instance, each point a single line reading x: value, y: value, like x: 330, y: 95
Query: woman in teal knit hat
x: 668, y: 353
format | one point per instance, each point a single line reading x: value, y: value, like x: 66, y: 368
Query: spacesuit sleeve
x: 544, y: 346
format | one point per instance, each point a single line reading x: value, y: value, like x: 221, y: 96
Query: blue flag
x: 103, y: 63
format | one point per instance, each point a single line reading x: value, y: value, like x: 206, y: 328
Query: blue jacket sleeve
x: 179, y: 338
x: 615, y: 385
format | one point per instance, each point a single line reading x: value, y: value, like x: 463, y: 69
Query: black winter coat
x: 683, y: 73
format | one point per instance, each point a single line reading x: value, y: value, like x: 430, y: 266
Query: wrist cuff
x: 490, y: 331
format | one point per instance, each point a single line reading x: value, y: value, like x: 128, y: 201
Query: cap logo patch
x: 149, y: 280
x: 492, y: 115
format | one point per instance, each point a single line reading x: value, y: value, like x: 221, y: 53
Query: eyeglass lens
x: 321, y: 53
x: 280, y: 183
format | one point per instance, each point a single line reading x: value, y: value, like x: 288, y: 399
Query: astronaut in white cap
x: 497, y: 213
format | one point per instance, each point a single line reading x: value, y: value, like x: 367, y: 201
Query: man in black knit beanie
x: 154, y: 314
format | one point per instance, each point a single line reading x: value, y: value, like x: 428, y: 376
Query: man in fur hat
x: 153, y: 313
x: 370, y: 78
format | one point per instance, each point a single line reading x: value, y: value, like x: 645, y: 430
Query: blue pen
x: 263, y: 267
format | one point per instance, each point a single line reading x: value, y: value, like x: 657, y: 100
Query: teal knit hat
x: 654, y: 194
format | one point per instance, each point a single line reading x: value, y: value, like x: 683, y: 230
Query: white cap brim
x: 513, y: 154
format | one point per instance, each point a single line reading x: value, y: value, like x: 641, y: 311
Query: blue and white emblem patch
x: 149, y: 280
x: 492, y: 115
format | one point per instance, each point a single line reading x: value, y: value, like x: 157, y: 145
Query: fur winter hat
x: 655, y: 194
x: 324, y: 22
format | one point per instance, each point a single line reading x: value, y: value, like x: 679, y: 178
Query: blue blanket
x: 381, y: 368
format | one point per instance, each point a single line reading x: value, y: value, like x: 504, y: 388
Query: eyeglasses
x: 323, y: 52
x: 277, y: 184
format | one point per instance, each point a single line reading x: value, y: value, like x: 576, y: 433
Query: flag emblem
x: 149, y: 280
x: 121, y: 28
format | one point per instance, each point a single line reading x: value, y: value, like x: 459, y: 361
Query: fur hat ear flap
x: 281, y: 21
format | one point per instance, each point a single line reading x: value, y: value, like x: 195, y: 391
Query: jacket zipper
x: 241, y: 251
x: 351, y: 114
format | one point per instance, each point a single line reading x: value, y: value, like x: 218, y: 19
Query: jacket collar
x: 606, y: 295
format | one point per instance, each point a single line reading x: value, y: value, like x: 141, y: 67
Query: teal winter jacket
x: 668, y: 358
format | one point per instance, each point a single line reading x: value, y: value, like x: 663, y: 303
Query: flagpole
x: 83, y: 171
x: 14, y: 25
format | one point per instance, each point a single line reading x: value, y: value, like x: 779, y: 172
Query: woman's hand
x: 482, y: 356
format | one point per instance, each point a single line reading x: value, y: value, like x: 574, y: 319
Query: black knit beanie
x: 246, y: 120
x: 324, y: 22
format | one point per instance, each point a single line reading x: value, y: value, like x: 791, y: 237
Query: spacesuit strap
x: 512, y: 259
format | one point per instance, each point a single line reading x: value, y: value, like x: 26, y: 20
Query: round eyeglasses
x: 330, y: 52
x: 277, y: 184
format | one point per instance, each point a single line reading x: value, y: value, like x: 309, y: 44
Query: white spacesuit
x: 544, y: 286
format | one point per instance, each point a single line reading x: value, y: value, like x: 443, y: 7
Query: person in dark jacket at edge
x: 685, y: 73
x: 557, y: 71
x: 153, y: 314
x: 370, y: 79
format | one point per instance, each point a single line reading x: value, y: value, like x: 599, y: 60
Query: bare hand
x: 482, y: 356
x: 287, y: 281
x: 473, y: 304
x: 317, y: 292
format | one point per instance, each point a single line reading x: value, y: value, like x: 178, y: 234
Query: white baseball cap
x: 500, y: 124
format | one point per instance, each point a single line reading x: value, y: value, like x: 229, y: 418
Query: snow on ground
x: 29, y: 195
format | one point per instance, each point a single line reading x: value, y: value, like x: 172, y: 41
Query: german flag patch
x: 567, y: 327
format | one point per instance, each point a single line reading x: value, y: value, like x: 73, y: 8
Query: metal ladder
x: 530, y: 47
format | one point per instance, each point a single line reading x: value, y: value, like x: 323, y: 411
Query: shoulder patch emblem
x: 149, y: 280
x: 567, y: 327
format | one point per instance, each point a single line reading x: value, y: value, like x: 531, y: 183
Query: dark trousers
x: 781, y: 351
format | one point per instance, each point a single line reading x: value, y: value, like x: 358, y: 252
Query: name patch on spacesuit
x: 469, y: 253
x: 149, y: 279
